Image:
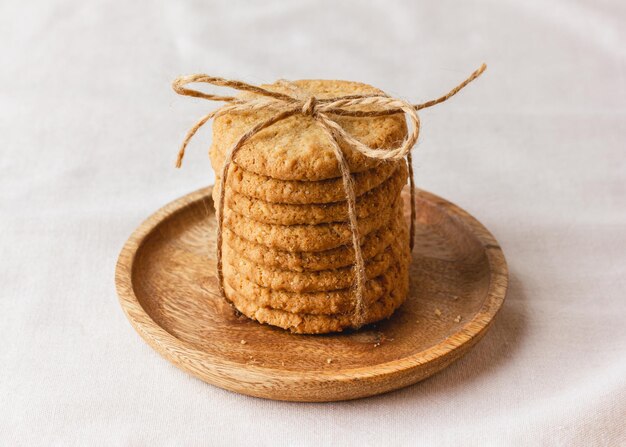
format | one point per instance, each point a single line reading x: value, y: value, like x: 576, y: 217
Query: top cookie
x: 297, y: 148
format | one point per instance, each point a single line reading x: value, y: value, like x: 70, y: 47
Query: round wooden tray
x: 167, y: 287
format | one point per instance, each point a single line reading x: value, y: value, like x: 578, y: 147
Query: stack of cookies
x: 288, y: 258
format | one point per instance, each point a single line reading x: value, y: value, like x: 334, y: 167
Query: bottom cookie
x: 317, y: 303
x: 307, y: 323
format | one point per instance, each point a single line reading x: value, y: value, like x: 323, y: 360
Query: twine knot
x: 309, y: 106
x: 321, y: 110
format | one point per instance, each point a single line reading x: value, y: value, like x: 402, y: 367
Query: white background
x: 535, y: 149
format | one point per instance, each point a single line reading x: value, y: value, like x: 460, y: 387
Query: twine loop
x: 321, y: 110
x: 309, y: 106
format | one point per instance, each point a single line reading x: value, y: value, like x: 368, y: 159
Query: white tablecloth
x: 536, y: 149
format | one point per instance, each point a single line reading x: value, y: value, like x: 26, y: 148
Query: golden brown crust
x: 297, y: 192
x: 305, y: 237
x: 308, y: 323
x: 372, y: 244
x: 286, y: 214
x: 297, y: 148
x: 317, y: 303
x: 323, y: 280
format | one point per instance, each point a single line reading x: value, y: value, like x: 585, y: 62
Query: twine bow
x: 321, y: 111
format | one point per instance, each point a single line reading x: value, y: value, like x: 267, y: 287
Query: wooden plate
x: 167, y: 287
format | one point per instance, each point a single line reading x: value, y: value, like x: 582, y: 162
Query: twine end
x: 454, y: 91
x: 179, y: 157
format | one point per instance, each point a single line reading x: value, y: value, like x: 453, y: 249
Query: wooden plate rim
x: 171, y: 347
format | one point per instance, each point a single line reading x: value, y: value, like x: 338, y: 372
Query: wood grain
x: 166, y: 283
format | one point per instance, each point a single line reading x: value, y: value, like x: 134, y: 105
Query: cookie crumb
x: 329, y: 360
x: 437, y: 312
x: 243, y: 342
x: 457, y: 319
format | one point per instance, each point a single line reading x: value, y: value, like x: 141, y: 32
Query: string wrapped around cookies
x: 322, y: 111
